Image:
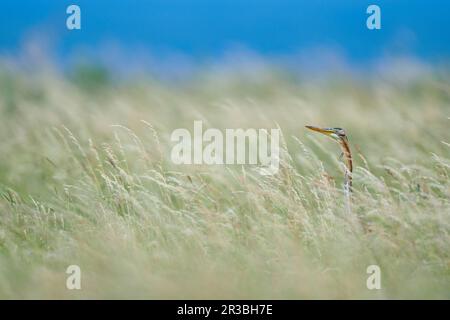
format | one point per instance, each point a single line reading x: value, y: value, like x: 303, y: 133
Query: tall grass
x: 86, y: 179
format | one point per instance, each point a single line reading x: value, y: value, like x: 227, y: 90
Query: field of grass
x: 86, y: 179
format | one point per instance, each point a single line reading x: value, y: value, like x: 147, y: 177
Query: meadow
x: 86, y: 179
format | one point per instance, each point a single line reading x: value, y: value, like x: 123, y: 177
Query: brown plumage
x: 339, y: 135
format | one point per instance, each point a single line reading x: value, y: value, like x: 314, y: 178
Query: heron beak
x: 321, y: 130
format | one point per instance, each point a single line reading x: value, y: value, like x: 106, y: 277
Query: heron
x: 339, y: 135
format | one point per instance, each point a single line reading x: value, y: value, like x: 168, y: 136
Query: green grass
x: 86, y: 179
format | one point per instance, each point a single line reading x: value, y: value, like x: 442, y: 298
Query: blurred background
x: 86, y: 178
x: 173, y: 39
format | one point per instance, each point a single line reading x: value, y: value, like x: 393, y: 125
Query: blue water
x: 203, y: 29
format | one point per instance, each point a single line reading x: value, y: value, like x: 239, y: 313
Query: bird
x: 340, y: 136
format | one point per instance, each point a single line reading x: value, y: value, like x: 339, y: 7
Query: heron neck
x: 348, y: 161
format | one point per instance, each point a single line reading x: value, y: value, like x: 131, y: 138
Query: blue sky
x: 207, y: 28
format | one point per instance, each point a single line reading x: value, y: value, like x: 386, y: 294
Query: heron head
x: 337, y: 134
